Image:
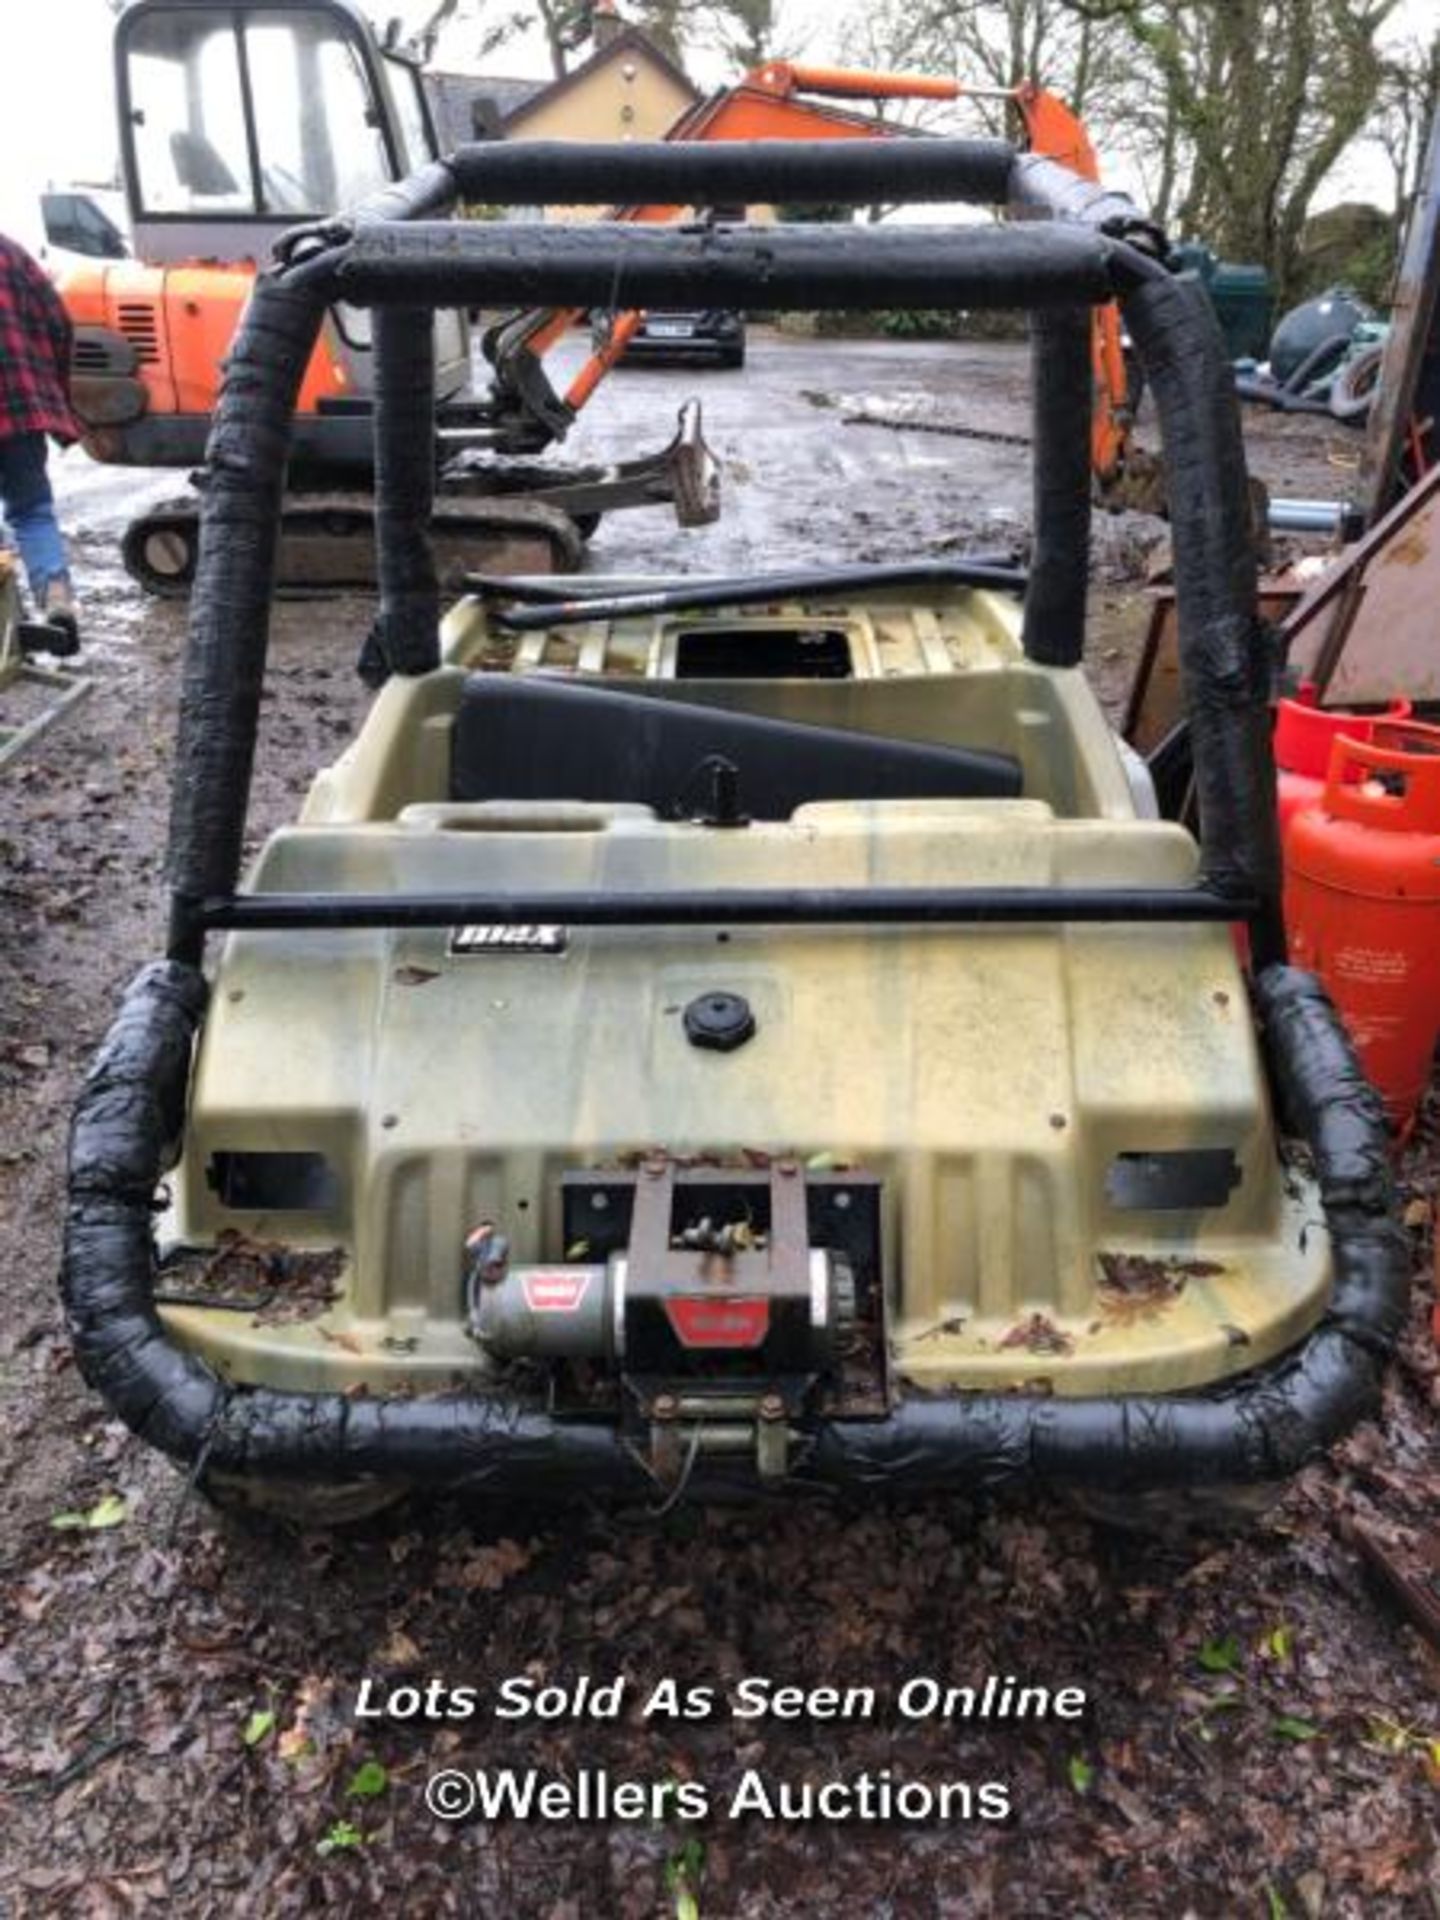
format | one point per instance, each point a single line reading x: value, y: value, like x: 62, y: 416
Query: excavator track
x: 327, y: 542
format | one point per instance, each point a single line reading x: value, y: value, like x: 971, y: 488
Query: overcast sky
x: 58, y: 121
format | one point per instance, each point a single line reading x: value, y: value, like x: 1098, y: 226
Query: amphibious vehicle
x: 741, y: 1033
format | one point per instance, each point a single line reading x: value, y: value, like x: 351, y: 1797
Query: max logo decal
x: 491, y: 939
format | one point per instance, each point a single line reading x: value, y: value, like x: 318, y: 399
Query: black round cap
x: 719, y: 1021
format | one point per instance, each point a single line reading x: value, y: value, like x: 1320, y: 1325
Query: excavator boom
x: 240, y: 119
x: 787, y: 101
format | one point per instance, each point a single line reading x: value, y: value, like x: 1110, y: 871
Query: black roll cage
x: 1078, y: 245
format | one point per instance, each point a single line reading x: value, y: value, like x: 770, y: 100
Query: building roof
x: 629, y: 40
x: 455, y: 98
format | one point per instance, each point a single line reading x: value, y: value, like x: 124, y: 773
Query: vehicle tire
x: 735, y: 356
x: 586, y: 523
x: 251, y: 1501
x: 1178, y: 1514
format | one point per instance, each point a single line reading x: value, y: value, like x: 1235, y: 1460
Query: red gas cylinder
x: 1362, y: 901
x: 1304, y: 734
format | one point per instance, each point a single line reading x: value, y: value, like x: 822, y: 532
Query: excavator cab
x: 238, y: 120
x: 235, y: 122
x: 249, y: 118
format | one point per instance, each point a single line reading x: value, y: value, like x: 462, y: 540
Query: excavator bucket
x: 684, y: 475
x: 693, y: 472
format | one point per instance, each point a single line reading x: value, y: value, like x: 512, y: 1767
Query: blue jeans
x: 29, y: 506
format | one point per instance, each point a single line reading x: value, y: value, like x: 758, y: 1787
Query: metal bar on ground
x: 537, y: 587
x: 68, y: 687
x: 759, y: 588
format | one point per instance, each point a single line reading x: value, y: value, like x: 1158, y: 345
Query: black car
x: 716, y: 333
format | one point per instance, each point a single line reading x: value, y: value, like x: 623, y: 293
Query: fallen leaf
x: 488, y: 1568
x: 109, y: 1511
x: 398, y: 1651
x: 1220, y: 1656
x: 367, y: 1781
x: 1038, y: 1335
x: 342, y: 1835
x: 1290, y: 1726
x: 1278, y: 1643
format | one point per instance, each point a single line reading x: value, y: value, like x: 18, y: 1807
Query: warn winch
x: 720, y: 1300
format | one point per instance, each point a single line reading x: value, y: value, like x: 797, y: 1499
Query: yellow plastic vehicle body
x: 1001, y: 1081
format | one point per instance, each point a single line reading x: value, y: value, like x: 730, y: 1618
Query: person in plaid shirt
x: 34, y: 404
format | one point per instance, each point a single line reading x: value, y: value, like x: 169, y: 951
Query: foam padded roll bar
x: 733, y: 172
x: 1224, y: 662
x: 1054, y: 634
x: 230, y: 602
x: 1042, y: 187
x: 405, y: 635
x: 608, y: 263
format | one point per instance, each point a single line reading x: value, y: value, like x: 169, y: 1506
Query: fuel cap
x: 719, y: 1021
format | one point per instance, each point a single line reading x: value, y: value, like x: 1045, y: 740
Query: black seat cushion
x: 531, y: 738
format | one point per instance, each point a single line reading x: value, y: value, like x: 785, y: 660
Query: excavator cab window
x: 319, y: 138
x: 412, y: 118
x: 262, y: 113
x: 187, y: 112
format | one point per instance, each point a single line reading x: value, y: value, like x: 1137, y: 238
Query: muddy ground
x: 176, y: 1695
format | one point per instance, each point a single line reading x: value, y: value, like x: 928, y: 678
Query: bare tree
x: 742, y: 30
x: 993, y: 47
x: 566, y: 25
x: 1406, y: 111
x: 1261, y: 98
x: 1009, y: 42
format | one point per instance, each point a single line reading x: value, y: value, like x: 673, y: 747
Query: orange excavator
x: 240, y: 121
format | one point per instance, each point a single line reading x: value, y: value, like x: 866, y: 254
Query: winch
x: 724, y: 1300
